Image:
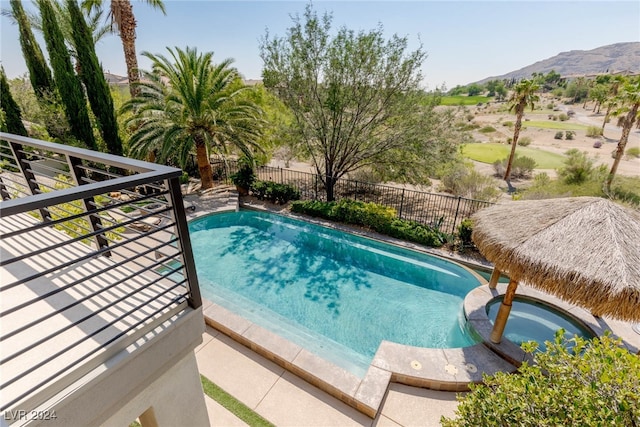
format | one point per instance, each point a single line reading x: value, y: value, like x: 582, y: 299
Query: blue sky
x: 465, y: 41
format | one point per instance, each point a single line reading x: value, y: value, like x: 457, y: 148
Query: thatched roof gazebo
x: 585, y: 250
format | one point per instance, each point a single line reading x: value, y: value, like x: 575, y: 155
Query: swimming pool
x: 334, y: 293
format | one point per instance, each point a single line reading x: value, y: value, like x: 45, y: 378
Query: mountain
x: 613, y: 58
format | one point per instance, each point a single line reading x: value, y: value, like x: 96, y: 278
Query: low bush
x: 563, y: 117
x: 578, y: 167
x: 573, y: 382
x: 558, y: 135
x: 508, y: 123
x: 373, y: 216
x: 569, y: 134
x: 487, y: 129
x: 633, y: 152
x: 465, y: 229
x: 594, y: 131
x: 524, y: 141
x: 461, y: 179
x: 273, y: 192
x: 522, y: 167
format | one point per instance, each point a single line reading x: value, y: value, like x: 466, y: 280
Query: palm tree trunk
x: 204, y: 166
x: 128, y: 37
x: 626, y: 130
x: 514, y: 143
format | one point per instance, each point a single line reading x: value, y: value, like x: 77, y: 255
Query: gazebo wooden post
x: 503, y: 312
x: 495, y: 276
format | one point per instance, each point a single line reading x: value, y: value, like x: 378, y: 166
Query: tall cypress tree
x: 95, y: 84
x: 68, y: 84
x: 13, y: 116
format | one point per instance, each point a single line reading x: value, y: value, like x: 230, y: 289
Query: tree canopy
x: 354, y: 96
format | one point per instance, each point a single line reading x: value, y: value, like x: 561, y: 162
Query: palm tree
x: 190, y: 103
x: 523, y: 96
x: 122, y: 18
x: 629, y: 100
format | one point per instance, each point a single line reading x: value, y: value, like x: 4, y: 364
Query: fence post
x: 401, y: 204
x: 455, y: 219
x: 281, y: 177
x: 355, y: 192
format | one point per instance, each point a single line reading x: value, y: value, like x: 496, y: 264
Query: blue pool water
x: 534, y: 321
x: 336, y: 294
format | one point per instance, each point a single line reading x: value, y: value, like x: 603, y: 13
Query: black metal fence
x: 437, y: 210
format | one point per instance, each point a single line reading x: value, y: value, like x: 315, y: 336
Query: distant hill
x: 613, y: 58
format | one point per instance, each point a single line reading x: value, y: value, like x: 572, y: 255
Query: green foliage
x: 67, y: 82
x: 374, y: 114
x: 244, y: 178
x: 12, y: 114
x: 558, y: 135
x: 465, y: 229
x: 274, y: 192
x: 474, y: 89
x: 524, y: 141
x: 507, y: 123
x: 522, y: 167
x: 563, y: 117
x: 594, y: 131
x: 95, y: 84
x: 490, y: 152
x: 578, y: 167
x: 633, y: 152
x: 371, y: 215
x: 461, y: 179
x: 487, y: 129
x: 574, y: 382
x: 461, y: 100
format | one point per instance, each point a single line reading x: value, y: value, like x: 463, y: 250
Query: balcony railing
x: 95, y: 257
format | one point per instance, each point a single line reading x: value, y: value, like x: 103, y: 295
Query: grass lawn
x: 554, y: 125
x: 464, y: 100
x: 490, y: 152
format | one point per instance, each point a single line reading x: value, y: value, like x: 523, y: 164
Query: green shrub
x: 569, y: 134
x: 464, y: 233
x: 508, y: 123
x: 578, y: 167
x: 522, y: 167
x: 575, y: 382
x: 558, y: 135
x: 524, y: 141
x: 633, y: 152
x: 244, y: 178
x: 184, y: 178
x: 273, y: 192
x: 373, y: 216
x: 487, y: 129
x: 563, y: 117
x: 594, y: 131
x: 461, y: 179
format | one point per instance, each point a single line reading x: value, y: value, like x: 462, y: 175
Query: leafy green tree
x: 523, y: 96
x: 599, y: 93
x: 94, y: 82
x: 629, y: 101
x: 612, y: 98
x: 67, y: 82
x: 12, y: 115
x: 353, y: 96
x: 474, y: 89
x: 124, y: 21
x: 186, y: 102
x: 579, y: 382
x: 577, y: 90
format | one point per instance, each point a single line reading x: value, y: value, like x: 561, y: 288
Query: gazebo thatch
x: 585, y: 250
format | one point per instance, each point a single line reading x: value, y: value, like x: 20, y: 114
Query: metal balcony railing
x: 94, y: 257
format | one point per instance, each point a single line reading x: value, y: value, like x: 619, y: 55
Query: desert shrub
x: 509, y: 140
x: 633, y: 152
x: 461, y: 179
x: 469, y: 116
x: 569, y: 134
x: 553, y: 117
x: 558, y: 135
x: 563, y: 117
x: 524, y: 141
x: 573, y: 382
x: 373, y: 216
x: 594, y: 131
x: 487, y: 129
x: 470, y: 126
x: 274, y: 192
x: 578, y: 167
x: 508, y: 123
x: 465, y: 229
x: 550, y: 106
x: 522, y: 167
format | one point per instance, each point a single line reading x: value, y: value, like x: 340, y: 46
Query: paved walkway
x: 286, y: 400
